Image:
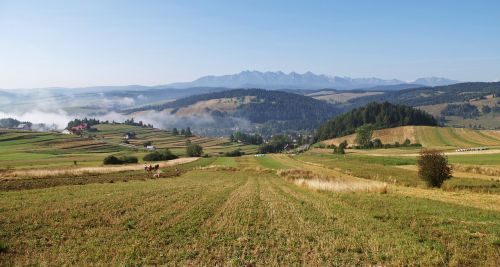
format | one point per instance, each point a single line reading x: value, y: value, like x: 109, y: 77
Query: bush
x: 159, y: 155
x: 194, y: 150
x: 234, y: 153
x: 433, y: 167
x: 128, y: 159
x: 147, y: 143
x: 113, y: 160
x: 341, y: 148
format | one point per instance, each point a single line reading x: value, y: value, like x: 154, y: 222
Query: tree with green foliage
x: 188, y: 132
x: 252, y: 139
x: 433, y: 167
x: 175, y: 131
x: 380, y: 115
x: 276, y: 145
x: 407, y: 142
x: 159, y: 155
x: 340, y: 149
x: 114, y: 160
x: 377, y: 143
x: 194, y: 150
x: 147, y: 143
x: 364, y: 135
x: 234, y: 153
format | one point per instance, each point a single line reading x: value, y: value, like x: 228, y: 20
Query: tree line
x: 379, y: 115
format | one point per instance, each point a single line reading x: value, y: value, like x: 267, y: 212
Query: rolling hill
x: 428, y: 136
x: 267, y: 111
x: 379, y: 115
x: 27, y: 149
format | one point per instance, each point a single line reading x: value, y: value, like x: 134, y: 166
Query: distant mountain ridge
x: 293, y: 80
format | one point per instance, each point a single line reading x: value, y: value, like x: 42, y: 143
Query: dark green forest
x: 460, y: 92
x: 380, y: 115
x: 465, y: 110
x: 277, y: 110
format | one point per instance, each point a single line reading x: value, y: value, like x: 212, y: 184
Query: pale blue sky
x: 84, y: 43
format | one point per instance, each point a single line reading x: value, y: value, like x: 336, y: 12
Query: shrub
x: 433, y: 167
x: 128, y: 159
x: 341, y: 148
x: 147, y: 143
x: 113, y: 160
x: 194, y: 150
x: 377, y: 143
x: 159, y: 155
x: 407, y: 142
x: 234, y: 153
x: 3, y: 247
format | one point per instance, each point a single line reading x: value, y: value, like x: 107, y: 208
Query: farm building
x: 150, y: 148
x: 80, y: 127
x: 129, y: 135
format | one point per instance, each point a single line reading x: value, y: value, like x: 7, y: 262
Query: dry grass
x: 475, y: 169
x: 470, y: 199
x: 314, y: 181
x: 43, y: 173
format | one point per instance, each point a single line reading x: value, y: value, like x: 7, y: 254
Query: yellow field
x: 437, y: 137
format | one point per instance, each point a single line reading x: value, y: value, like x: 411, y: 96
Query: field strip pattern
x: 211, y: 217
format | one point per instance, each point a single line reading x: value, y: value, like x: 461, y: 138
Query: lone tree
x: 194, y: 150
x: 341, y: 148
x: 433, y: 167
x: 364, y: 135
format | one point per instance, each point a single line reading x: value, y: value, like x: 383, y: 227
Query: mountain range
x: 308, y: 80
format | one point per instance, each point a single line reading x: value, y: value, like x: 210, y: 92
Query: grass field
x: 435, y: 137
x: 310, y: 209
x: 243, y: 217
x: 25, y: 149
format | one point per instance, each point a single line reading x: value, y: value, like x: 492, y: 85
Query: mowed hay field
x: 239, y: 211
x: 427, y: 136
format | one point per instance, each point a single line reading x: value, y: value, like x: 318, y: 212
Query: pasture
x: 248, y: 215
x: 315, y: 208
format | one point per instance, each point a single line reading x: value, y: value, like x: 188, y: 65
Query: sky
x: 88, y: 43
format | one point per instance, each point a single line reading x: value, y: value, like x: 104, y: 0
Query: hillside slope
x: 435, y: 137
x: 379, y: 115
x: 269, y: 111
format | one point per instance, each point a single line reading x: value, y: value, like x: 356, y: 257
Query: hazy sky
x: 83, y: 43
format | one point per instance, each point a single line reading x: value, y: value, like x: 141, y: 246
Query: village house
x: 78, y: 128
x: 129, y: 135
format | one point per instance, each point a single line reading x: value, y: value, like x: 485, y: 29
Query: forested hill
x: 460, y: 92
x: 380, y: 115
x: 286, y: 111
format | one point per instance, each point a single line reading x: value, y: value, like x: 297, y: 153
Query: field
x: 435, y: 137
x: 315, y: 208
x: 25, y: 149
x: 486, y: 121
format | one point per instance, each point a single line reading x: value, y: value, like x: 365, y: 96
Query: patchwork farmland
x: 436, y: 137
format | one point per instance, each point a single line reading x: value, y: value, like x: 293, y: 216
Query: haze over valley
x: 249, y: 133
